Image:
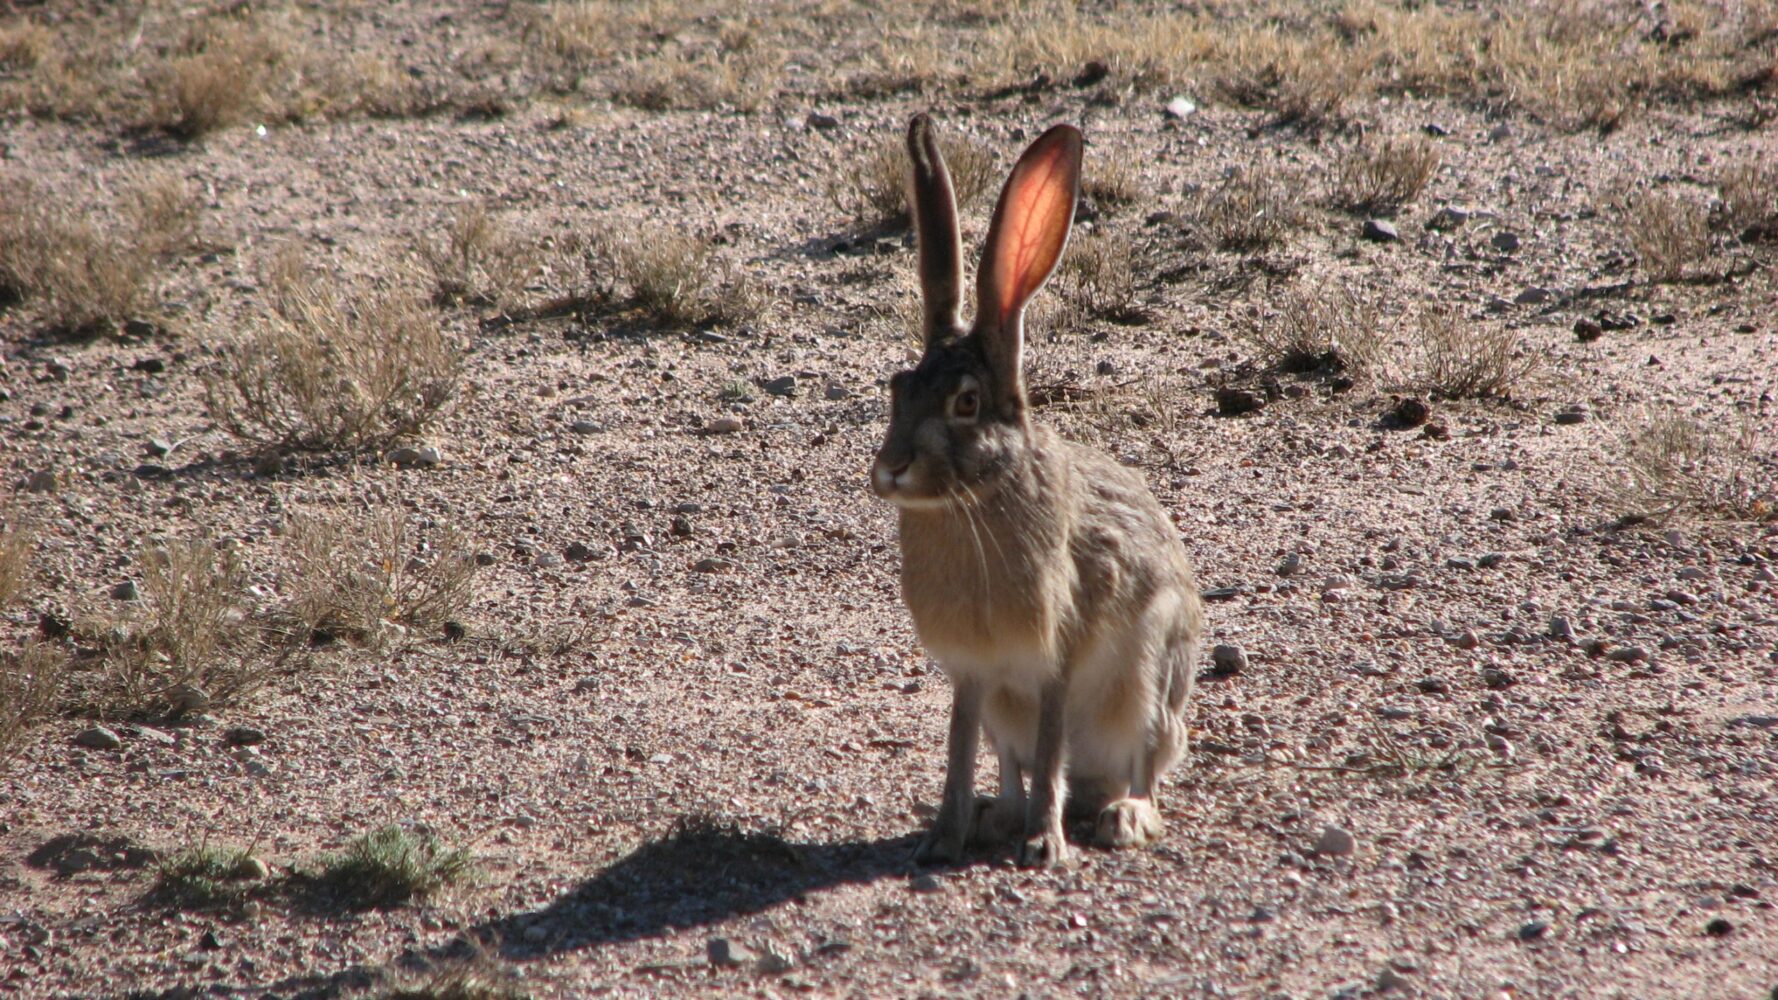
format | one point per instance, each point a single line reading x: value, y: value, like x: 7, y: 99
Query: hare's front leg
x: 1046, y: 846
x: 944, y: 842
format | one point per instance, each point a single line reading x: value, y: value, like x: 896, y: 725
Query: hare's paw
x: 942, y: 845
x: 1128, y: 823
x: 1044, y: 850
x: 998, y: 820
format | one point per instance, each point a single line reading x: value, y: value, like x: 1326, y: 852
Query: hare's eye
x: 966, y: 403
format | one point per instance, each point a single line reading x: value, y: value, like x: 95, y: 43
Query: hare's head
x: 958, y: 420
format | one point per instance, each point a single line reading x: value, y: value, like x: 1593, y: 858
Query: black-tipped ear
x: 934, y: 210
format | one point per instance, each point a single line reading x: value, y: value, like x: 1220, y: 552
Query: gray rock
x: 1449, y: 217
x: 125, y: 591
x: 1533, y: 931
x: 726, y: 954
x: 818, y: 120
x: 1290, y: 565
x: 425, y: 457
x: 244, y: 736
x: 1534, y: 296
x: 1500, y: 133
x: 926, y: 883
x: 1561, y: 630
x: 585, y: 427
x: 188, y: 698
x: 1380, y: 231
x: 723, y: 425
x: 1576, y: 413
x: 836, y: 392
x: 42, y: 481
x: 98, y: 738
x: 1232, y: 402
x: 1228, y: 660
x: 713, y: 565
x: 158, y: 447
x: 1505, y: 241
x: 783, y: 385
x: 773, y: 962
x: 1627, y: 654
x: 1467, y: 639
x: 1335, y: 842
x: 1497, y: 678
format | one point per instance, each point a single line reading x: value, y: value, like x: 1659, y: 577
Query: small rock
x: 584, y: 427
x: 1435, y: 130
x: 1435, y: 432
x: 125, y: 591
x: 1389, y: 979
x: 1380, y: 231
x: 1432, y: 685
x: 188, y: 699
x: 1335, y: 842
x: 1500, y: 133
x: 1234, y: 402
x: 243, y: 736
x: 1534, y: 295
x: 1467, y: 639
x: 1290, y: 564
x: 158, y: 447
x: 1533, y: 931
x: 1410, y: 411
x: 149, y: 365
x: 1505, y: 241
x: 1561, y: 630
x: 1627, y: 654
x: 1586, y: 331
x: 424, y: 457
x: 577, y: 552
x: 1180, y: 108
x: 98, y: 738
x: 42, y: 481
x: 1497, y: 678
x: 1460, y: 562
x: 1719, y: 927
x: 723, y: 425
x: 836, y: 392
x: 783, y: 385
x: 774, y: 963
x: 926, y: 882
x: 1094, y: 71
x: 252, y: 868
x: 816, y: 119
x: 486, y: 558
x: 1227, y: 660
x: 1576, y: 413
x: 681, y: 526
x: 713, y: 565
x: 1489, y: 560
x: 1448, y: 217
x: 726, y: 954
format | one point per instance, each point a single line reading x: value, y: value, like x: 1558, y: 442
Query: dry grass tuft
x: 1096, y: 278
x: 480, y: 260
x: 18, y: 543
x: 91, y: 270
x: 1675, y: 465
x: 1253, y: 208
x: 205, y: 876
x: 1382, y: 176
x: 478, y: 977
x: 1112, y: 181
x: 330, y: 368
x: 1325, y: 327
x: 679, y: 279
x: 227, y: 73
x: 871, y: 186
x: 1459, y: 358
x: 31, y: 684
x: 372, y: 579
x: 193, y: 630
x: 390, y: 866
x: 1671, y: 236
x: 1750, y: 200
x: 1304, y: 81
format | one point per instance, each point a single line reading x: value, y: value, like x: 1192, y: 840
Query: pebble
x: 426, y: 457
x: 925, y: 883
x: 1389, y: 979
x: 783, y: 385
x: 1627, y: 654
x: 712, y: 565
x: 42, y: 481
x: 125, y: 591
x: 584, y: 427
x: 1533, y: 931
x: 1575, y: 413
x: 1467, y: 639
x: 1290, y: 564
x: 724, y: 953
x: 577, y: 552
x: 816, y: 119
x: 1234, y: 402
x: 1534, y: 295
x: 188, y: 698
x: 243, y: 736
x: 1432, y: 685
x: 836, y: 392
x: 1497, y: 678
x: 723, y: 425
x: 98, y: 738
x: 774, y: 963
x: 1335, y: 842
x: 1505, y: 241
x: 1719, y: 927
x: 1586, y: 331
x: 1380, y: 231
x: 1448, y: 217
x: 252, y: 868
x: 1561, y: 630
x: 1228, y: 660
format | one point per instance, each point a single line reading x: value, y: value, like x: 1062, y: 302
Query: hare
x: 1044, y: 578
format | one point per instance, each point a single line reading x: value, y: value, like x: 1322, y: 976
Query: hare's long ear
x: 1029, y: 232
x: 935, y: 229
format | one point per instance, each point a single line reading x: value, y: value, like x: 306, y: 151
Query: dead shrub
x: 744, y: 80
x: 31, y: 683
x: 678, y: 278
x: 1673, y: 464
x: 91, y: 269
x: 1750, y: 200
x: 17, y: 545
x: 1671, y: 236
x: 369, y: 579
x: 1459, y: 358
x: 1304, y: 80
x: 1097, y: 277
x: 329, y: 368
x: 1252, y: 208
x: 871, y: 186
x: 1112, y: 181
x: 1323, y: 327
x: 227, y: 71
x: 193, y: 629
x: 1382, y: 176
x: 479, y: 260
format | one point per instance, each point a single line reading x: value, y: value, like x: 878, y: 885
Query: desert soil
x: 643, y: 755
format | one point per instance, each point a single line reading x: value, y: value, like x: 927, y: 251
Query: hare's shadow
x: 701, y: 873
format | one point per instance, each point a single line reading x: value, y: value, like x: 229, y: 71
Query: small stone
x: 1561, y: 630
x: 784, y: 385
x: 1448, y: 217
x: 188, y: 699
x: 1410, y: 411
x: 774, y: 963
x: 1227, y: 660
x: 42, y: 481
x: 1432, y: 685
x: 1533, y: 931
x: 1435, y: 432
x: 1534, y: 295
x: 252, y: 868
x: 726, y: 954
x: 1290, y: 564
x: 98, y: 738
x: 243, y: 736
x: 1572, y: 414
x: 1500, y: 133
x: 158, y: 447
x: 125, y: 591
x: 1627, y: 654
x: 149, y: 365
x: 1335, y: 842
x: 1586, y: 331
x: 584, y: 427
x: 681, y: 526
x: 926, y: 883
x: 713, y: 565
x: 723, y: 425
x: 816, y: 119
x: 1491, y: 559
x: 836, y: 392
x: 1389, y: 979
x: 486, y: 558
x: 1467, y: 639
x: 1180, y: 108
x: 1460, y: 562
x: 1234, y: 402
x: 1496, y: 678
x: 577, y: 552
x: 1380, y: 231
x: 1719, y: 927
x: 1505, y: 241
x: 424, y: 457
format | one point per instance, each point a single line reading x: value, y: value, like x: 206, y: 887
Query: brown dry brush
x: 88, y: 269
x: 1251, y: 208
x: 870, y: 185
x: 18, y: 545
x: 1328, y: 326
x: 478, y: 259
x: 1459, y: 358
x: 1383, y: 175
x: 334, y: 368
x: 1671, y: 236
x: 31, y: 683
x: 678, y: 279
x: 1749, y: 208
x: 371, y: 579
x: 1676, y: 465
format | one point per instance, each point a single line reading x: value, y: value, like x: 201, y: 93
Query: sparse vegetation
x: 224, y: 73
x: 1320, y: 327
x: 1459, y: 358
x: 871, y: 186
x: 1750, y: 200
x: 192, y: 631
x: 368, y: 579
x: 17, y: 546
x: 91, y: 269
x: 1252, y: 208
x: 329, y: 368
x: 479, y: 260
x: 679, y: 279
x: 475, y: 978
x: 1097, y: 277
x: 390, y: 866
x: 31, y: 684
x: 1380, y: 176
x: 1671, y: 236
x: 1112, y: 181
x: 205, y: 875
x: 1678, y: 465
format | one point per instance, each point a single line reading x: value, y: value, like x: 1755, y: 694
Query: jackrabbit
x: 1044, y: 577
